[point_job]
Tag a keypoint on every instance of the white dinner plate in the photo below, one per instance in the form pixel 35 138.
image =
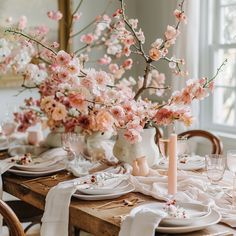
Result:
pixel 191 165
pixel 4 148
pixel 96 190
pixel 193 210
pixel 201 223
pixel 54 168
pixel 126 190
pixel 40 164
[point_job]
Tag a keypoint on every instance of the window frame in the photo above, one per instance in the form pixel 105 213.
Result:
pixel 209 43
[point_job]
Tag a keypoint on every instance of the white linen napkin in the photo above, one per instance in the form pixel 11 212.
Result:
pixel 192 187
pixel 56 214
pixel 144 222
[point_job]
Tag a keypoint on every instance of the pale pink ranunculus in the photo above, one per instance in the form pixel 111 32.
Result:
pixel 171 33
pixel 54 15
pixel 87 38
pixel 104 120
pixel 59 112
pixel 22 22
pixel 63 58
pixel 127 64
pixel 133 136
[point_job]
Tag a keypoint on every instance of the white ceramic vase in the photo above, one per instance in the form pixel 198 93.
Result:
pixel 127 152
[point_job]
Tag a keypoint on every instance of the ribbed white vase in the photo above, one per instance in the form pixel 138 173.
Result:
pixel 127 152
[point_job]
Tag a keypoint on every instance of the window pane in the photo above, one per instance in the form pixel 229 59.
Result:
pixel 224 2
pixel 224 106
pixel 227 76
pixel 228 24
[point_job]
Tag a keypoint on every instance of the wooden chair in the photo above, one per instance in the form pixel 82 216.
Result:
pixel 217 146
pixel 11 220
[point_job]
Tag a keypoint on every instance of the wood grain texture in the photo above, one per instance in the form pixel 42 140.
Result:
pixel 85 215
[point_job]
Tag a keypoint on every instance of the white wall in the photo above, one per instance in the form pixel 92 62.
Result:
pixel 9 102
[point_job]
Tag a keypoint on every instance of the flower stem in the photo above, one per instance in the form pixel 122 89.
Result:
pixel 31 39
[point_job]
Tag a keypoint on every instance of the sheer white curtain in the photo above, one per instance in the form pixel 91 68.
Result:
pixel 187 47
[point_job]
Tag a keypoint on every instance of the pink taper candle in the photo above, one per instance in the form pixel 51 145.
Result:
pixel 172 171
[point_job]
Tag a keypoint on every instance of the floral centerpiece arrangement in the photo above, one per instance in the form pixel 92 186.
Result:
pixel 75 96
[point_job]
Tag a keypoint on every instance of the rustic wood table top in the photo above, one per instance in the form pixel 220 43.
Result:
pixel 92 216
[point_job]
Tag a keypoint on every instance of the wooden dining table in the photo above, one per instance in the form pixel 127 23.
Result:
pixel 100 218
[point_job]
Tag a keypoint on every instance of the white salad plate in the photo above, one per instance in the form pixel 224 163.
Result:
pixel 129 188
pixel 199 221
pixel 54 168
pixel 118 186
pixel 190 164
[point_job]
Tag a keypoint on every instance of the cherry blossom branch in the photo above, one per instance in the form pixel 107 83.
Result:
pixel 147 70
pixel 133 32
pixel 91 23
pixel 31 39
pixel 158 88
pixel 71 22
pixel 218 70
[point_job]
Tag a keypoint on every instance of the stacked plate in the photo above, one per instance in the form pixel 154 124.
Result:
pixel 110 189
pixel 40 166
pixel 186 163
pixel 200 217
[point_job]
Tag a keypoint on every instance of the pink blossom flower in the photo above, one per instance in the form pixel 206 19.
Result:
pixel 141 36
pixel 22 22
pixel 155 54
pixel 211 86
pixel 78 101
pixel 63 58
pixel 105 60
pixel 77 16
pixel 118 112
pixel 55 45
pixel 171 33
pixel 163 117
pixel 133 23
pixel 54 15
pixel 87 38
pixel 132 135
pixel 59 112
pixel 180 16
pixel 113 68
pixel 41 30
pixel 186 96
pixel 127 64
pixel 200 93
pixel 104 120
